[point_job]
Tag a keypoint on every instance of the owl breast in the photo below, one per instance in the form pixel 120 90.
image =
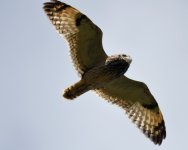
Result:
pixel 105 73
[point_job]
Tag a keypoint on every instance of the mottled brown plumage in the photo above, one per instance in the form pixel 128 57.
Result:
pixel 104 74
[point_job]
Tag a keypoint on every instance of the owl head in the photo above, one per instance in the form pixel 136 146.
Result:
pixel 118 63
pixel 119 59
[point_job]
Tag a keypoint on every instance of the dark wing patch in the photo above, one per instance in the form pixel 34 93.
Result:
pixel 78 20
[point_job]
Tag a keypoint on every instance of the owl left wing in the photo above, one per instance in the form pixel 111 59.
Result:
pixel 139 104
pixel 83 36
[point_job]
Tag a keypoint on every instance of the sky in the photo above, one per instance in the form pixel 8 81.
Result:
pixel 36 67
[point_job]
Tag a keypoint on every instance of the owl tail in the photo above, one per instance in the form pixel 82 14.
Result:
pixel 76 90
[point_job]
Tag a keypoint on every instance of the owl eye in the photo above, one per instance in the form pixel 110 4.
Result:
pixel 124 55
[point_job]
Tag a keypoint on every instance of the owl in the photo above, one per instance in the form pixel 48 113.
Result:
pixel 102 73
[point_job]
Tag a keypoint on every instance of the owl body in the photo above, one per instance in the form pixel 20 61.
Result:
pixel 97 77
pixel 105 73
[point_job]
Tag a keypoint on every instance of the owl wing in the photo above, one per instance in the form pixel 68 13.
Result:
pixel 139 104
pixel 83 36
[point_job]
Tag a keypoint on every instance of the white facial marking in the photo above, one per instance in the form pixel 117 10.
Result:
pixel 128 59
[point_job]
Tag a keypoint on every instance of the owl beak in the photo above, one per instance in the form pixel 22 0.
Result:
pixel 128 59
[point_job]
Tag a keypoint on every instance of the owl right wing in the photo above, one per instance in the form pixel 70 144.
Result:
pixel 83 36
pixel 135 98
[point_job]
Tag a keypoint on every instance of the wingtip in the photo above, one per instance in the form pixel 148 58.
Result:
pixel 50 2
pixel 49 6
pixel 54 5
pixel 158 139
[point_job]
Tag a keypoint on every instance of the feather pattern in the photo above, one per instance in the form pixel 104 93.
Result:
pixel 83 36
pixel 135 98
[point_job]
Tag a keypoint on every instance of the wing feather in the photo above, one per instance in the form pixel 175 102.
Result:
pixel 83 36
pixel 135 98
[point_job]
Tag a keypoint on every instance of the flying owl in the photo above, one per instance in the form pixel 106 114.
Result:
pixel 102 73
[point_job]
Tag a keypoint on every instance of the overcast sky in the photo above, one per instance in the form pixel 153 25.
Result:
pixel 36 67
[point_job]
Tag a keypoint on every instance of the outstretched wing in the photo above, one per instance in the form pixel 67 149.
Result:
pixel 83 36
pixel 139 104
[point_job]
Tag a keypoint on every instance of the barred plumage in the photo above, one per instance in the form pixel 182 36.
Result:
pixel 77 29
pixel 102 73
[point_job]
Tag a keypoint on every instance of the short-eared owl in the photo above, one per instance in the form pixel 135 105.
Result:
pixel 102 73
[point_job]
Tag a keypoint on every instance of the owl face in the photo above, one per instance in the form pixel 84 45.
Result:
pixel 127 58
pixel 118 64
pixel 119 58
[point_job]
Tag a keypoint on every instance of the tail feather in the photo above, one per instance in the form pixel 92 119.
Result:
pixel 75 90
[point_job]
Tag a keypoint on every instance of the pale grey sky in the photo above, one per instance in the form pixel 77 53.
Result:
pixel 36 67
